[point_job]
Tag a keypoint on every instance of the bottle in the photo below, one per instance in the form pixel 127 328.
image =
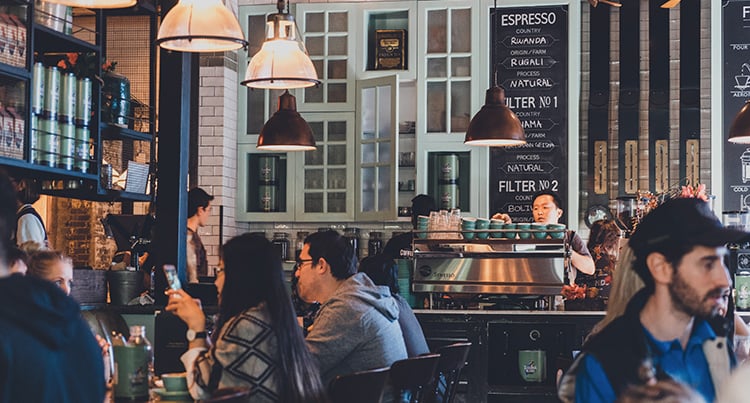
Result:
pixel 138 340
pixel 133 365
pixel 375 244
pixel 281 244
pixel 352 235
pixel 300 242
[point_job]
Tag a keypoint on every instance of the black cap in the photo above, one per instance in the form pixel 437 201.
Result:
pixel 681 221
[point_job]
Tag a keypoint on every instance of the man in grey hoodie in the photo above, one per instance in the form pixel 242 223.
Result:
pixel 356 327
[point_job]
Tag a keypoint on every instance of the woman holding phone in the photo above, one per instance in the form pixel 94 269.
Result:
pixel 257 342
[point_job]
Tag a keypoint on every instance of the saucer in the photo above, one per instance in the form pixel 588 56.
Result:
pixel 173 394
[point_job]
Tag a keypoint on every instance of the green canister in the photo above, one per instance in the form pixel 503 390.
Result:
pixel 448 192
pixel 267 198
pixel 37 88
pixel 34 139
pixel 83 101
pixel 83 149
pixel 68 96
pixel 448 167
pixel 67 145
pixel 49 130
pixel 267 169
pixel 52 91
pixel 131 372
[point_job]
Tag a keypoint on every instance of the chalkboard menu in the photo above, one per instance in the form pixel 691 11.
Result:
pixel 530 55
pixel 736 90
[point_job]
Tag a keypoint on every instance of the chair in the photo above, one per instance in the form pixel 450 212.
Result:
pixel 452 361
pixel 361 387
pixel 228 395
pixel 410 378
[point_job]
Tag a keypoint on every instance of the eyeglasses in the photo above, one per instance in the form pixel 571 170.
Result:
pixel 300 262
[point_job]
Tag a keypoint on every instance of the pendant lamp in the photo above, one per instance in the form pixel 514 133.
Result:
pixel 495 125
pixel 286 130
pixel 282 61
pixel 739 132
pixel 95 3
pixel 200 26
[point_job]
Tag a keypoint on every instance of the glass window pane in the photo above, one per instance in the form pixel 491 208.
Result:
pixel 368 113
pixel 256 100
pixel 337 179
pixel 314 45
pixel 314 157
pixel 436 67
pixel 368 153
pixel 384 151
pixel 368 187
pixel 337 131
pixel 337 202
pixel 337 154
pixel 317 128
pixel 436 107
pixel 337 45
pixel 318 64
pixel 314 22
pixel 273 101
pixel 384 112
pixel 337 92
pixel 337 69
pixel 384 186
pixel 256 33
pixel 314 94
pixel 460 105
pixel 460 36
pixel 436 31
pixel 313 178
pixel 338 22
pixel 313 202
pixel 461 67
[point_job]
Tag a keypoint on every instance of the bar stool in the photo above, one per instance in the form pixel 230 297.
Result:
pixel 452 361
pixel 362 387
pixel 411 377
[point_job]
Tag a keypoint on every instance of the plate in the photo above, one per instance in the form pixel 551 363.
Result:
pixel 174 394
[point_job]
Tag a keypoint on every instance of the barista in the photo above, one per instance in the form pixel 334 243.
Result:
pixel 547 209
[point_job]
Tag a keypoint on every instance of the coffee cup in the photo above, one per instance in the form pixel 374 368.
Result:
pixel 539 230
pixel 482 223
pixel 175 382
pixel 496 226
pixel 512 233
pixel 532 365
pixel 556 231
pixel 523 230
pixel 468 224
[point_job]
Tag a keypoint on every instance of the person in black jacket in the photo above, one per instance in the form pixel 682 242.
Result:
pixel 47 351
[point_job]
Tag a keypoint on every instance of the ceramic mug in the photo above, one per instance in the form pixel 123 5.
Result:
pixel 532 365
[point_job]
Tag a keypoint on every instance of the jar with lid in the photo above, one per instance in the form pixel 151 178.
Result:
pixel 352 236
pixel 301 235
pixel 281 244
pixel 375 244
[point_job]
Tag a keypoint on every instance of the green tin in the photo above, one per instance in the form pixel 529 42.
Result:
pixel 448 167
pixel 68 96
pixel 83 149
pixel 267 198
pixel 48 141
pixel 67 145
pixel 37 88
pixel 52 91
pixel 83 101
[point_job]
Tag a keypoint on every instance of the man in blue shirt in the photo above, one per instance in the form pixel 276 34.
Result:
pixel 664 332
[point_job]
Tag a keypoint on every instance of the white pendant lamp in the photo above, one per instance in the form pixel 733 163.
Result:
pixel 200 26
pixel 95 3
pixel 282 61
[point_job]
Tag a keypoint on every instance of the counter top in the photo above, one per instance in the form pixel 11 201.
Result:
pixel 507 312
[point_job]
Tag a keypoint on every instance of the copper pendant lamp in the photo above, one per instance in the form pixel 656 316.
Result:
pixel 739 132
pixel 286 130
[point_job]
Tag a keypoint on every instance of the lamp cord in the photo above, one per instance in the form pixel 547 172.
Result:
pixel 494 47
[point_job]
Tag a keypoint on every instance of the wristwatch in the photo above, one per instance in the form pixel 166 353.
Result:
pixel 192 335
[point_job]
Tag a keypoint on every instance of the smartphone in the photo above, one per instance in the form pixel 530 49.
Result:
pixel 172 278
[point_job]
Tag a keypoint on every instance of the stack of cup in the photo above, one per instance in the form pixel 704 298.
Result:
pixel 539 230
pixel 556 231
pixel 482 224
pixel 496 225
pixel 423 223
pixel 468 225
pixel 512 233
pixel 523 230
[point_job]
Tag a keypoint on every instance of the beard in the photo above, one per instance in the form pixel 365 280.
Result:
pixel 688 300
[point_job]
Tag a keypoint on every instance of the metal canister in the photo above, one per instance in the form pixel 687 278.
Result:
pixel 83 101
pixel 67 144
pixel 34 139
pixel 267 169
pixel 448 195
pixel 52 91
pixel 83 149
pixel 68 96
pixel 49 130
pixel 448 165
pixel 37 88
pixel 267 198
pixel 106 176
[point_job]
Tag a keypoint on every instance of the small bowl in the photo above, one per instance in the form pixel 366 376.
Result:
pixel 175 382
pixel 539 230
pixel 556 231
pixel 510 234
pixel 523 230
pixel 496 225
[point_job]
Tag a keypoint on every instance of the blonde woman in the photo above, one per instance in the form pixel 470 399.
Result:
pixel 52 266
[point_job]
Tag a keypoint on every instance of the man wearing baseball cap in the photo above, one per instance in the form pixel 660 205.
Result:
pixel 665 331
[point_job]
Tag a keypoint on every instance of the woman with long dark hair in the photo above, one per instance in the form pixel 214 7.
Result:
pixel 257 342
